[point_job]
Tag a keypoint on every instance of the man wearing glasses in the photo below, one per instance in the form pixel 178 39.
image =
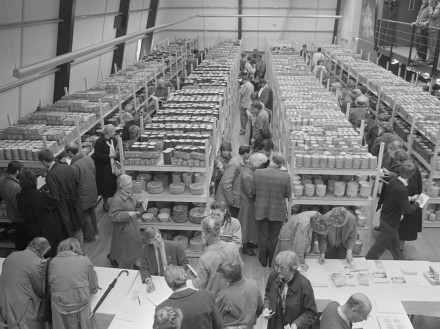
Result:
pixel 356 309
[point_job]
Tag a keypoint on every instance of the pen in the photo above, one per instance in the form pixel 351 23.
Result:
pixel 139 300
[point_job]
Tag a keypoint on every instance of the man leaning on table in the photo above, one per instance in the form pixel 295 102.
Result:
pixel 356 309
pixel 157 255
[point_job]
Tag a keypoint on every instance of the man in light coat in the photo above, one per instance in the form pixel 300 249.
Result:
pixel 246 90
pixel 85 175
pixel 21 286
pixel 229 186
pixel 9 188
pixel 272 188
pixel 216 251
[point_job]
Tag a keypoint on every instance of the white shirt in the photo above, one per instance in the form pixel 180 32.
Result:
pixel 316 57
pixel 342 315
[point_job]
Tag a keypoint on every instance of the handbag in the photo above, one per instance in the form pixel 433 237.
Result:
pixel 45 310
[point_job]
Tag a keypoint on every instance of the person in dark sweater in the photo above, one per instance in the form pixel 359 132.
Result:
pixel 395 203
pixel 356 309
pixel 198 306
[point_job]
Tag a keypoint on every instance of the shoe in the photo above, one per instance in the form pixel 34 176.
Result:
pixel 113 261
pixel 242 132
pixel 252 245
pixel 249 252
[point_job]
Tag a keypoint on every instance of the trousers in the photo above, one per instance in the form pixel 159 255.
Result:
pixel 268 232
pixel 387 238
pixel 243 118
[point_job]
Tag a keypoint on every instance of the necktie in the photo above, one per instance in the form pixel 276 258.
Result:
pixel 161 269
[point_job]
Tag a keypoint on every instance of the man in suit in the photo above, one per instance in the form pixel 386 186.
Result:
pixel 265 95
pixel 216 251
pixel 62 185
pixel 197 306
pixel 157 255
pixel 386 137
pixel 272 187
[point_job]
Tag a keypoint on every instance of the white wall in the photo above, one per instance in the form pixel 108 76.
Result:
pixel 261 28
pixel 349 29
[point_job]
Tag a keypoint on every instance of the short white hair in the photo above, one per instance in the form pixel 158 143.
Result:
pixel 257 159
pixel 124 180
pixel 126 116
pixel 287 258
pixel 108 128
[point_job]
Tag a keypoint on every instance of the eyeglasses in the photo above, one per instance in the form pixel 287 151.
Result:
pixel 364 317
pixel 280 268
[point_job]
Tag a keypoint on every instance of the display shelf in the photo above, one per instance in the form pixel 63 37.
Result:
pixel 434 200
pixel 184 197
pixel 332 200
pixel 5 220
pixel 428 223
pixel 333 171
pixel 171 225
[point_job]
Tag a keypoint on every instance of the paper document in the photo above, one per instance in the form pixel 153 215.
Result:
pixel 387 306
pixel 423 199
pixel 41 181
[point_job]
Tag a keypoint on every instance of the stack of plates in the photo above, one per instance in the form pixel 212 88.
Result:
pixel 197 214
pixel 196 244
pixel 180 213
pixel 154 187
pixel 177 188
pixel 164 217
pixel 197 189
pixel 182 240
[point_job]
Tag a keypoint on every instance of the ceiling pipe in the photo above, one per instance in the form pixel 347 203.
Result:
pixel 51 63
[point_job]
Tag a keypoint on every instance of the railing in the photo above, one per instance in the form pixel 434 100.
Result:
pixel 408 41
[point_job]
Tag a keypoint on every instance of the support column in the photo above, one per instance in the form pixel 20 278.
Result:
pixel 240 22
pixel 64 45
pixel 151 22
pixel 335 28
pixel 121 23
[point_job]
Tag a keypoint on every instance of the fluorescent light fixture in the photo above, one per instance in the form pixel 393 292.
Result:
pixel 425 75
pixel 394 61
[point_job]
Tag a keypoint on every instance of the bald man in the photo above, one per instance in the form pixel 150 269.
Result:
pixel 356 309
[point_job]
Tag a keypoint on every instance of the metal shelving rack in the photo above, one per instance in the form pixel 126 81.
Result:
pixel 281 137
pixel 391 102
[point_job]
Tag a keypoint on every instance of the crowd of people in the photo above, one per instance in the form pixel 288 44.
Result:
pixel 249 212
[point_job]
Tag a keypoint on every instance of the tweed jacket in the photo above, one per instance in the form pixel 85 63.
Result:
pixel 348 232
pixel 85 175
pixel 9 189
pixel 272 187
pixel 174 254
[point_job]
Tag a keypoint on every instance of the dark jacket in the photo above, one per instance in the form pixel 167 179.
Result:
pixel 62 185
pixel 272 187
pixel 126 129
pixel 395 203
pixel 300 302
pixel 105 180
pixel 229 187
pixel 85 174
pixel 385 138
pixel 198 309
pixel 266 97
pixel 9 188
pixel 41 217
pixel 175 255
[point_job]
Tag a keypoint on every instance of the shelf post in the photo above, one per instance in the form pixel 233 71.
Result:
pixel 44 139
pixel 121 154
pixel 85 83
pixel 361 133
pixel 101 113
pixel 141 118
pixel 9 120
pixel 119 101
pixel 133 82
pixel 78 137
pixel 378 104
pixel 413 122
pixel 347 113
pixel 393 115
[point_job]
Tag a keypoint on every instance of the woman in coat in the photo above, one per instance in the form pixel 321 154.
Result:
pixel 105 179
pixel 230 230
pixel 126 239
pixel 72 281
pixel 40 212
pixel 221 161
pixel 289 297
pixel 246 215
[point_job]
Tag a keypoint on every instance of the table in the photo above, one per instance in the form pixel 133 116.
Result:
pixel 417 295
